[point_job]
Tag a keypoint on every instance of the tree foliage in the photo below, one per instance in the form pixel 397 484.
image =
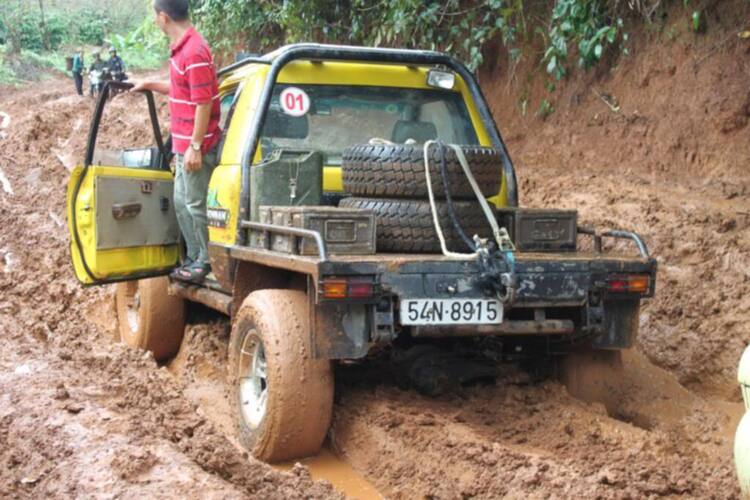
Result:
pixel 462 27
pixel 453 25
pixel 46 25
pixel 588 26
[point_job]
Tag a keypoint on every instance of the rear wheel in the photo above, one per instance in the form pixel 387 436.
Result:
pixel 149 318
pixel 282 397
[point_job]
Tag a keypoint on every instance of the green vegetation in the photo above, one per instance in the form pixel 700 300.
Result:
pixel 585 27
pixel 145 47
pixel 545 109
pixel 453 25
pixel 560 34
pixel 588 26
pixel 7 76
pixel 39 34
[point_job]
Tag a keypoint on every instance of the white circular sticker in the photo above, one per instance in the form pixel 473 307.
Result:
pixel 295 101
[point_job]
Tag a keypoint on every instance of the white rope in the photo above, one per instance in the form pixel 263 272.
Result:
pixel 379 141
pixel 500 236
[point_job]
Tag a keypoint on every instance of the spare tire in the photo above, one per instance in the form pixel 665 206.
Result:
pixel 397 170
pixel 407 226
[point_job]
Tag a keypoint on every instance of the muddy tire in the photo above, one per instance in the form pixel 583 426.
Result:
pixel 398 171
pixel 407 226
pixel 594 376
pixel 281 397
pixel 149 318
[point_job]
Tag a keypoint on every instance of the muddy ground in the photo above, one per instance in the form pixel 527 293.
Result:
pixel 83 416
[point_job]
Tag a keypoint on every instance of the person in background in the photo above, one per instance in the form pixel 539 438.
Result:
pixel 194 110
pixel 116 65
pixel 77 70
pixel 96 79
pixel 98 64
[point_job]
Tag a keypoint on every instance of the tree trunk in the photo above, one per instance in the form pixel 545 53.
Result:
pixel 43 27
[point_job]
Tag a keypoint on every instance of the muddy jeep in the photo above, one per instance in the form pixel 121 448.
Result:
pixel 364 199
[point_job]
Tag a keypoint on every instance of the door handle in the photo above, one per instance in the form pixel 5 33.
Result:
pixel 122 211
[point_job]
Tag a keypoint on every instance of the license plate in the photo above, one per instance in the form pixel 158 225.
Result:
pixel 451 312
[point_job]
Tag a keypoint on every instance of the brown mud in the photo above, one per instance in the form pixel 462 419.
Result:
pixel 83 416
pixel 670 163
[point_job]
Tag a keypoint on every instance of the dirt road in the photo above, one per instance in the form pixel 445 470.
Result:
pixel 79 415
pixel 82 416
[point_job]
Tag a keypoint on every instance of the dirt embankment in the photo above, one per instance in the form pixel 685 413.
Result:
pixel 669 163
pixel 82 416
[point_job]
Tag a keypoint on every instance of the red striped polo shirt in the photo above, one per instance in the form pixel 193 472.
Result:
pixel 192 81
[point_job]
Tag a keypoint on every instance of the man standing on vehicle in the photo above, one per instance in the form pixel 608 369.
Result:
pixel 194 110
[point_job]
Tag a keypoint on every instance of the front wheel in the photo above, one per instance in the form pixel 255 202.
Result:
pixel 282 397
pixel 149 318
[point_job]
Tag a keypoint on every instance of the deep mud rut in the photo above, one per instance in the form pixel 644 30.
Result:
pixel 82 416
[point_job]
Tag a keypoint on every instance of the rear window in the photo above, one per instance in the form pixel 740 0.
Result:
pixel 329 118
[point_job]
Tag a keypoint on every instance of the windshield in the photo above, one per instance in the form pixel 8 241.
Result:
pixel 330 118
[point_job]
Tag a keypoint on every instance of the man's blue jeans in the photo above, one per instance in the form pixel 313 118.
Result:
pixel 190 192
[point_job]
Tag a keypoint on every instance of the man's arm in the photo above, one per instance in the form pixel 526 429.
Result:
pixel 194 159
pixel 161 87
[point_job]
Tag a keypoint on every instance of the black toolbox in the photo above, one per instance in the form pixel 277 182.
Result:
pixel 540 230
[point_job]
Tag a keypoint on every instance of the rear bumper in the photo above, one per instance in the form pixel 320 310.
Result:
pixel 542 280
pixel 509 327
pixel 558 296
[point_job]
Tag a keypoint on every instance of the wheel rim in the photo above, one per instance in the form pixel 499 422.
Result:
pixel 132 307
pixel 253 381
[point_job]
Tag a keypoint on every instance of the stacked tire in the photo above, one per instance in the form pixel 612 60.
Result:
pixel 390 180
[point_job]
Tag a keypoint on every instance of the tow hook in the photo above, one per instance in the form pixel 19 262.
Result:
pixel 508 281
pixel 501 283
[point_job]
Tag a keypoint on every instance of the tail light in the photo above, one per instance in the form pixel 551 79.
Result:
pixel 334 289
pixel 629 283
pixel 337 288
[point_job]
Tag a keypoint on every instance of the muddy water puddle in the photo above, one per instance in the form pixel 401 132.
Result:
pixel 327 466
pixel 200 367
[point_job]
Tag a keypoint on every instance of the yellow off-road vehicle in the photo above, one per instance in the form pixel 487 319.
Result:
pixel 364 201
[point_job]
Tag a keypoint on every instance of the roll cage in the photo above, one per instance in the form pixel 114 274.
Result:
pixel 278 59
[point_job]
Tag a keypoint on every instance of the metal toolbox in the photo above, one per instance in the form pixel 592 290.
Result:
pixel 540 230
pixel 345 231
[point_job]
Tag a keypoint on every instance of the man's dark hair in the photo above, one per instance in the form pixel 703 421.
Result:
pixel 177 10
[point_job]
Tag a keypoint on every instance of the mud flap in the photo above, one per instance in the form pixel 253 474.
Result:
pixel 339 331
pixel 620 325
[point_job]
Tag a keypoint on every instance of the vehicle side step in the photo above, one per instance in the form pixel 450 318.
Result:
pixel 219 301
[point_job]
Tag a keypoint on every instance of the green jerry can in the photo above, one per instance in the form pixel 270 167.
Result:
pixel 287 178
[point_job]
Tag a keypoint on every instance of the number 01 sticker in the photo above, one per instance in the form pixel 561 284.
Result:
pixel 295 101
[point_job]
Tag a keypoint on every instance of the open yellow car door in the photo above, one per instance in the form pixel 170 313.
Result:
pixel 121 213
